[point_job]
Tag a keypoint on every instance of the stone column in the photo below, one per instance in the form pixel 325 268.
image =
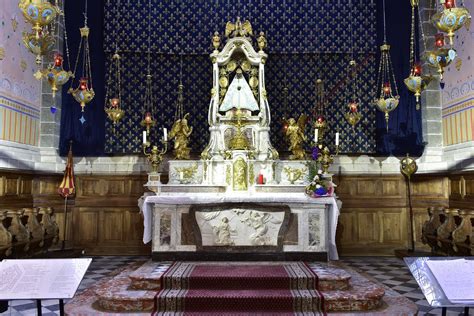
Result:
pixel 50 122
pixel 431 110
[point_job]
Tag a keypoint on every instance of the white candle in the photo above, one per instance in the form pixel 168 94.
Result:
pixel 181 175
pixel 316 135
pixel 337 139
pixel 165 134
pixel 144 137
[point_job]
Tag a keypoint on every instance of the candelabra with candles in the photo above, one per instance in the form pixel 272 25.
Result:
pixel 154 156
pixel 324 156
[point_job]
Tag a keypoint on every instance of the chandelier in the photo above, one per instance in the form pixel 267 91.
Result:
pixel 416 82
pixel 388 97
pixel 114 90
pixel 451 18
pixel 84 92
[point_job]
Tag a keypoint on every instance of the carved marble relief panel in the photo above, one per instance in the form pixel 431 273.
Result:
pixel 241 226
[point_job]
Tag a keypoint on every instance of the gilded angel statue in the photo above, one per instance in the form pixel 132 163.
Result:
pixel 238 29
pixel 296 137
pixel 180 132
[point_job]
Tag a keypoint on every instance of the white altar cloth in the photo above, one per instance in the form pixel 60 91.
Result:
pixel 205 198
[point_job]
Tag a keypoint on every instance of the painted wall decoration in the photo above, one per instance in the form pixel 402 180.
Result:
pixel 19 90
pixel 458 93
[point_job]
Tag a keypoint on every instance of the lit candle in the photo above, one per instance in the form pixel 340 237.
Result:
pixel 165 134
pixel 316 135
pixel 337 138
pixel 144 137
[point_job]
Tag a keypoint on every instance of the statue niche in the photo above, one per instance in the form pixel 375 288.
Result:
pixel 239 115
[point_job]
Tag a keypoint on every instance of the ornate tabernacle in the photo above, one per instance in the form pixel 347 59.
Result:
pixel 239 148
pixel 259 201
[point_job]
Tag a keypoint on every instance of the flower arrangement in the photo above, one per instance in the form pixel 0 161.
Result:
pixel 321 185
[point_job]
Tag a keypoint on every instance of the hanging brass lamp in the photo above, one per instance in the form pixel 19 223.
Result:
pixel 415 82
pixel 84 92
pixel 451 18
pixel 388 97
pixel 113 95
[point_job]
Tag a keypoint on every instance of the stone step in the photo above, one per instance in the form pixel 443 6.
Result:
pixel 113 295
pixel 117 295
pixel 148 276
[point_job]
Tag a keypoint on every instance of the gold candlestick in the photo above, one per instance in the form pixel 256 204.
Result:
pixel 155 156
pixel 326 159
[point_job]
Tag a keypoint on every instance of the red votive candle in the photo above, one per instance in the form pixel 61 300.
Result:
pixel 260 179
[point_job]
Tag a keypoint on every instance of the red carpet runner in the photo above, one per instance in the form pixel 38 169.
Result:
pixel 283 288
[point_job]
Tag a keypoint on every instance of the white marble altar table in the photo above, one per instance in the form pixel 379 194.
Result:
pixel 332 207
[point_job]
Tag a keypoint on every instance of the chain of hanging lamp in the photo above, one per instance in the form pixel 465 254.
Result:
pixel 148 111
pixel 416 82
pixel 352 116
pixel 388 98
pixel 84 93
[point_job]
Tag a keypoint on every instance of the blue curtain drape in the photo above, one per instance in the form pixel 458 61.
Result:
pixel 405 128
pixel 88 138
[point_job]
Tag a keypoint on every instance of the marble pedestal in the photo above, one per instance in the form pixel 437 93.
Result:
pixel 213 226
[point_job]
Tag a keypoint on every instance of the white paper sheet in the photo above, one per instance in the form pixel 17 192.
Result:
pixel 456 278
pixel 41 278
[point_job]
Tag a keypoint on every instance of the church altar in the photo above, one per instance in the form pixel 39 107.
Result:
pixel 168 226
pixel 239 200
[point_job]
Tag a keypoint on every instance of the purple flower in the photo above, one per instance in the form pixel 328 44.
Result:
pixel 315 153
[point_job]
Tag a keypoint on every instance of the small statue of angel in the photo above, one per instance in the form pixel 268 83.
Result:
pixel 180 132
pixel 296 137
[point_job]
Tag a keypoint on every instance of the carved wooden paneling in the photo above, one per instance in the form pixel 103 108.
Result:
pixel 86 227
pixel 392 229
pixel 346 227
pixel 462 191
pixel 104 218
pixel 12 186
pixel 112 226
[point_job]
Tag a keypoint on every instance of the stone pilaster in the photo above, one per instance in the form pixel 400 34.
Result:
pixel 431 106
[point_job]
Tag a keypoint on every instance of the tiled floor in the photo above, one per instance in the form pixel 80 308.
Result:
pixel 389 271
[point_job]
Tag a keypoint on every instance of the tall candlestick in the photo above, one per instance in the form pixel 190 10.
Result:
pixel 316 135
pixel 144 137
pixel 337 138
pixel 165 134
